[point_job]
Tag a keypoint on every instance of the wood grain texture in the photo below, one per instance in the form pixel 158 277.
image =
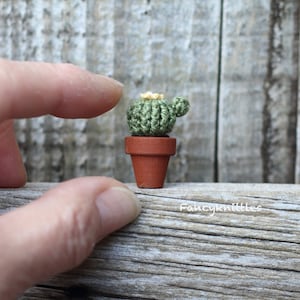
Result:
pixel 297 167
pixel 148 45
pixel 243 69
pixel 235 60
pixel 163 55
pixel 172 252
pixel 281 90
pixel 197 140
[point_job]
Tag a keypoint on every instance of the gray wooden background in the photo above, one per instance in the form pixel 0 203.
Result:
pixel 236 60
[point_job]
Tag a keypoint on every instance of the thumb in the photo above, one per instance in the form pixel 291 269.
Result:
pixel 58 231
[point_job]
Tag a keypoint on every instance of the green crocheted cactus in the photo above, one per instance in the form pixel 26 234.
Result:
pixel 152 115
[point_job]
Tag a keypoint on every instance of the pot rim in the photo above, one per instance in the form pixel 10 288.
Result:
pixel 150 145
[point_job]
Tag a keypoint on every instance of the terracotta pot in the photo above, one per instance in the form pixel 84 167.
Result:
pixel 150 158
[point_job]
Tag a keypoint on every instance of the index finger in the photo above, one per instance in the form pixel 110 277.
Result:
pixel 30 89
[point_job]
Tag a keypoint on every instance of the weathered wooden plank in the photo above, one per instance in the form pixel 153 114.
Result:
pixel 13 13
pixel 245 38
pixel 56 149
pixel 69 28
pixel 258 97
pixel 173 47
pixel 163 56
pixel 132 21
pixel 197 138
pixel 5 38
pixel 297 168
pixel 172 252
pixel 281 89
pixel 45 133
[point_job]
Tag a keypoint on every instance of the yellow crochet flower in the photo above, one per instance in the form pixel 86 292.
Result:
pixel 152 96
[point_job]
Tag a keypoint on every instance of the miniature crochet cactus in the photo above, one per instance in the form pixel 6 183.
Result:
pixel 153 115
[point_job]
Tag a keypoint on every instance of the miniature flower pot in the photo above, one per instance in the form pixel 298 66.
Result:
pixel 150 158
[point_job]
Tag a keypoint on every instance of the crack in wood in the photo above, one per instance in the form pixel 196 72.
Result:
pixel 280 110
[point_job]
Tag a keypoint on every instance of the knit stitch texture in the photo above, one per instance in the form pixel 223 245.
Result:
pixel 155 117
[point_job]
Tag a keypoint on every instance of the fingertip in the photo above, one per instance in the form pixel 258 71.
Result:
pixel 115 83
pixel 117 207
pixel 103 84
pixel 32 89
pixel 60 229
pixel 15 176
pixel 85 94
pixel 15 181
pixel 14 173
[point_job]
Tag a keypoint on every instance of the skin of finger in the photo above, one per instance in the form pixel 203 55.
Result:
pixel 30 89
pixel 50 235
pixel 13 173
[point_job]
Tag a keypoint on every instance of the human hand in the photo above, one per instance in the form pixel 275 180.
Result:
pixel 59 230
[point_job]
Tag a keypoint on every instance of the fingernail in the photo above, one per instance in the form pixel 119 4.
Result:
pixel 117 82
pixel 111 80
pixel 117 207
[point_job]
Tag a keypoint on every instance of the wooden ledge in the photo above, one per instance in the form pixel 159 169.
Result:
pixel 191 241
